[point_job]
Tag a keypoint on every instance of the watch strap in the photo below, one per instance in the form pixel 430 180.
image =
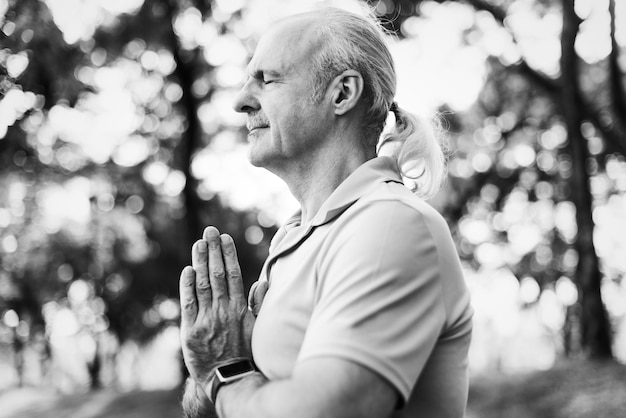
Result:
pixel 216 383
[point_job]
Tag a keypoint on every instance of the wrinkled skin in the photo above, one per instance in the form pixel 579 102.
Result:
pixel 216 324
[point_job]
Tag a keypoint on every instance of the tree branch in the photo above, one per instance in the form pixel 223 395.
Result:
pixel 549 84
pixel 497 12
pixel 500 14
pixel 614 133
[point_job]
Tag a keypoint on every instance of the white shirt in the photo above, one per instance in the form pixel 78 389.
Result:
pixel 373 278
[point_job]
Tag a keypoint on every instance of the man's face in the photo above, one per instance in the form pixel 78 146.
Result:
pixel 285 124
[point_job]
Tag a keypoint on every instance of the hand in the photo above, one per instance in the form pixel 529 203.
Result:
pixel 216 324
pixel 256 296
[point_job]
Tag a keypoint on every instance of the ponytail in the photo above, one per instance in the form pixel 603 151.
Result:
pixel 416 146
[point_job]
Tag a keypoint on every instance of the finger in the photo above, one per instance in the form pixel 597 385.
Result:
pixel 257 295
pixel 233 270
pixel 251 295
pixel 217 273
pixel 200 265
pixel 188 302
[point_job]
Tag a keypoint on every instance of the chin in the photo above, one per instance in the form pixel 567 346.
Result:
pixel 255 162
pixel 263 157
pixel 256 158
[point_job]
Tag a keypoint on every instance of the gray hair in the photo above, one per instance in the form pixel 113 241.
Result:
pixel 354 42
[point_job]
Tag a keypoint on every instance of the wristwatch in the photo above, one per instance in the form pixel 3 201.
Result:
pixel 228 372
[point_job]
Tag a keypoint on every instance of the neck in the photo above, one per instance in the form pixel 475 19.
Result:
pixel 312 181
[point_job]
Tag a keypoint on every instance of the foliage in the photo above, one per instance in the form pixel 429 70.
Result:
pixel 117 146
pixel 99 206
pixel 536 159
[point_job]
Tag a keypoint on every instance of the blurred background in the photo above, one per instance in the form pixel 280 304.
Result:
pixel 118 144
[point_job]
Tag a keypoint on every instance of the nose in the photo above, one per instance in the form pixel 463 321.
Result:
pixel 246 101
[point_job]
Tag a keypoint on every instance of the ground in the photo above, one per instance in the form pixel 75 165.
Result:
pixel 31 403
pixel 569 390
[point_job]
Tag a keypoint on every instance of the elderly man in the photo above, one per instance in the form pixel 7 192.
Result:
pixel 364 308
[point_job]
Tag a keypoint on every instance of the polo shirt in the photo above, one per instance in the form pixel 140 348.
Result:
pixel 373 278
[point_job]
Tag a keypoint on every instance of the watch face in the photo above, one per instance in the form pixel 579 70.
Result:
pixel 235 369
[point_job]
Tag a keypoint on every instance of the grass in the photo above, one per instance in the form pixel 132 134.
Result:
pixel 569 390
pixel 31 403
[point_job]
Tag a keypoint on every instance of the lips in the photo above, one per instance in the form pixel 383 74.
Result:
pixel 257 121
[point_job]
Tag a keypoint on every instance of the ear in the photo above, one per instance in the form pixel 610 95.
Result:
pixel 346 91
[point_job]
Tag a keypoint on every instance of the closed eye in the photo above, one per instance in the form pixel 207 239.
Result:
pixel 265 77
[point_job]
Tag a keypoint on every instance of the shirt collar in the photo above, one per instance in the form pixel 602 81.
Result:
pixel 361 181
pixel 357 184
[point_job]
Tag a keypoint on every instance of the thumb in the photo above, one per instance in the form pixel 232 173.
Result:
pixel 256 296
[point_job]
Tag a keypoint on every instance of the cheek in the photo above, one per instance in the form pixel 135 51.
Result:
pixel 289 114
pixel 285 121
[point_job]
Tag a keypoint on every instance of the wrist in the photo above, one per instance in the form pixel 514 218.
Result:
pixel 241 398
pixel 200 392
pixel 195 402
pixel 227 372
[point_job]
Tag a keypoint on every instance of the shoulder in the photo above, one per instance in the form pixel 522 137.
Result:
pixel 392 205
pixel 390 229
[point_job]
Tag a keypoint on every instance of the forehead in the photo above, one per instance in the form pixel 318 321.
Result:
pixel 285 48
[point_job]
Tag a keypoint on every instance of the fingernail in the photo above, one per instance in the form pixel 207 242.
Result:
pixel 210 232
pixel 202 246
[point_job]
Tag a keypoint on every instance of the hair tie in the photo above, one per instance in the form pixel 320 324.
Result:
pixel 394 107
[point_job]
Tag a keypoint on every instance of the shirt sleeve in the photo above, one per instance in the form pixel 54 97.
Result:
pixel 379 297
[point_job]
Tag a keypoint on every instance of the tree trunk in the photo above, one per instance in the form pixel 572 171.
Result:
pixel 18 357
pixel 618 90
pixel 191 137
pixel 94 367
pixel 595 329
